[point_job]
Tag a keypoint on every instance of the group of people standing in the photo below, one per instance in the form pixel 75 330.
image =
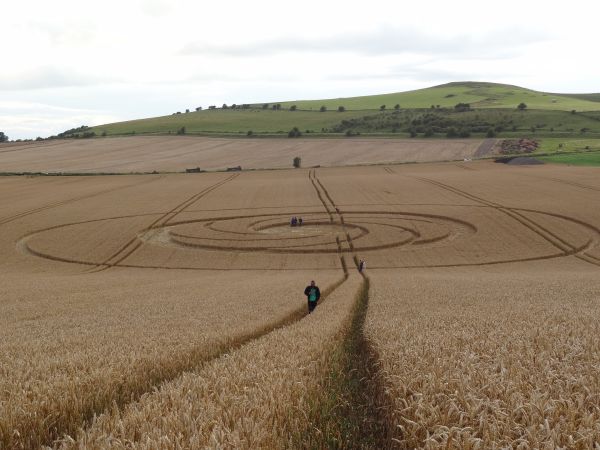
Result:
pixel 296 221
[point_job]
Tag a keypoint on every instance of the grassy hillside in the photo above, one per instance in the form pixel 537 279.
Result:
pixel 219 121
pixel 494 106
pixel 478 95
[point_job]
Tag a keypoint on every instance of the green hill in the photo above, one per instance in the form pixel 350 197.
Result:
pixel 477 94
pixel 429 111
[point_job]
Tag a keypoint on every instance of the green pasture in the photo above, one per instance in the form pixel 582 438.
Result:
pixel 576 159
pixel 552 145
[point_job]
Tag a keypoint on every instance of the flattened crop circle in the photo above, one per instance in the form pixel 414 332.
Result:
pixel 318 234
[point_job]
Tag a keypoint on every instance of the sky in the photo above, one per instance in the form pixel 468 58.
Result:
pixel 67 63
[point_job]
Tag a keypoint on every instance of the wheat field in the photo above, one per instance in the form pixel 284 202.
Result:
pixel 176 153
pixel 167 311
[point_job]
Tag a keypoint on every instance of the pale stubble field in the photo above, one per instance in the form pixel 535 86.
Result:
pixel 166 311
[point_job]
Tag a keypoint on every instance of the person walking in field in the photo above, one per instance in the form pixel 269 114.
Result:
pixel 362 265
pixel 313 294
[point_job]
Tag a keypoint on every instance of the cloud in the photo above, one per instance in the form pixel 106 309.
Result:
pixel 156 8
pixel 49 77
pixel 501 43
pixel 21 119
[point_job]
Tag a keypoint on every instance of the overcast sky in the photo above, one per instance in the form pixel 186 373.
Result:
pixel 71 62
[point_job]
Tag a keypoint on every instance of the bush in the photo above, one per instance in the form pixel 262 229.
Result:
pixel 250 133
pixel 522 106
pixel 323 108
pixel 451 133
pixel 428 132
pixel 293 108
pixel 382 107
pixel 350 133
pixel 265 106
pixel 296 162
pixel 294 133
pixel 341 109
pixel 462 107
pixel 397 106
pixel 491 133
pixel 181 130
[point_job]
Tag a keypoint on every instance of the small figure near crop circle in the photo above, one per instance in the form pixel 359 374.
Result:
pixel 362 265
pixel 313 294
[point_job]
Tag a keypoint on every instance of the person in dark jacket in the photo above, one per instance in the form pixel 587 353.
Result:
pixel 313 294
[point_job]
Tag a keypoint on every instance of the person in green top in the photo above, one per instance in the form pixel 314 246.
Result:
pixel 313 294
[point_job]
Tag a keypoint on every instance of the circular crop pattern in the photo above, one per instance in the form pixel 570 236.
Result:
pixel 408 238
pixel 274 234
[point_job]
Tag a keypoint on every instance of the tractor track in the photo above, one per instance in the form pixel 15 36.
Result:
pixel 135 243
pixel 196 359
pixel 571 183
pixel 53 205
pixel 362 418
pixel 554 239
pixel 311 176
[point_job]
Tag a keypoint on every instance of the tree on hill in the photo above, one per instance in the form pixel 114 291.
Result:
pixel 293 108
pixel 522 106
pixel 382 107
pixel 323 108
pixel 199 108
pixel 397 106
pixel 265 106
pixel 3 137
pixel 341 109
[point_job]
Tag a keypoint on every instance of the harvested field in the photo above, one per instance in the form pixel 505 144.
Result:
pixel 166 311
pixel 176 153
